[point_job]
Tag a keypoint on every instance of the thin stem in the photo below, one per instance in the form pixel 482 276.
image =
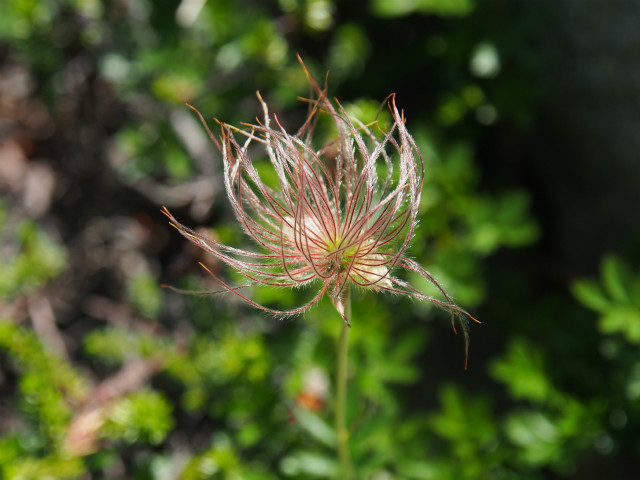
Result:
pixel 346 469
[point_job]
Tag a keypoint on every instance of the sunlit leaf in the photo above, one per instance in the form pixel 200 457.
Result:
pixel 625 320
pixel 590 295
pixel 309 463
pixel 522 370
pixel 315 426
pixel 614 277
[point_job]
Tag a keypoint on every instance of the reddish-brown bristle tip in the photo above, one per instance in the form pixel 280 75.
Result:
pixel 205 267
pixel 473 318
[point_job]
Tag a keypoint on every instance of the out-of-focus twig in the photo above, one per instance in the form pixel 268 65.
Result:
pixel 43 320
pixel 82 435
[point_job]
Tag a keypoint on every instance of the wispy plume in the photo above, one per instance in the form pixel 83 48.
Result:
pixel 340 215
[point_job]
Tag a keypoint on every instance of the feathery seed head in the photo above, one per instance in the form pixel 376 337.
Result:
pixel 341 214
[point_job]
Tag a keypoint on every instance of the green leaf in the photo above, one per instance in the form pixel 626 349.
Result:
pixel 221 460
pixel 47 383
pixel 421 470
pixel 396 8
pixel 30 468
pixel 634 290
pixel 39 260
pixel 316 427
pixel 590 295
pixel 522 370
pixel 466 421
pixel 144 293
pixel 537 437
pixel 140 416
pixel 614 276
pixel 309 463
pixel 625 320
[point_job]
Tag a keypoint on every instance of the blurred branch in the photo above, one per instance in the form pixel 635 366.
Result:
pixel 199 193
pixel 43 320
pixel 82 434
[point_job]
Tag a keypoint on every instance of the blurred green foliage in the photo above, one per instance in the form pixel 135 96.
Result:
pixel 227 393
pixel 46 382
pixel 145 294
pixel 389 8
pixel 143 416
pixel 31 259
pixel 616 299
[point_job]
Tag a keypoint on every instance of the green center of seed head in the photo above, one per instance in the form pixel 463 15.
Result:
pixel 339 254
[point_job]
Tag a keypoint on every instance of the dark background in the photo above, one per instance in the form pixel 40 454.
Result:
pixel 528 116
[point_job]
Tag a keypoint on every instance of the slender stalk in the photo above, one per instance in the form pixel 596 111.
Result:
pixel 346 468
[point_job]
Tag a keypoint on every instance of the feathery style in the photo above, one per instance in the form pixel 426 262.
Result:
pixel 340 215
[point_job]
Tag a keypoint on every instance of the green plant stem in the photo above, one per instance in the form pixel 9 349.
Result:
pixel 346 468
